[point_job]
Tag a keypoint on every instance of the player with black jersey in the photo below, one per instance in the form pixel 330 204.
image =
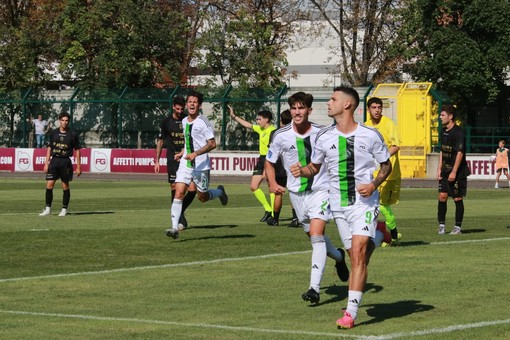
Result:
pixel 63 141
pixel 171 133
pixel 452 170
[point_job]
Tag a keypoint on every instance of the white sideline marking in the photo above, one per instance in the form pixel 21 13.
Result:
pixel 232 259
pixel 448 329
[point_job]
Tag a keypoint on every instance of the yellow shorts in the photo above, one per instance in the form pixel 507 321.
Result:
pixel 389 192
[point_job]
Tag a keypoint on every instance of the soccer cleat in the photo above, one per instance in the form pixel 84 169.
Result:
pixel 63 212
pixel 183 223
pixel 223 197
pixel 173 233
pixel 45 212
pixel 341 267
pixel 395 240
pixel 346 321
pixel 266 216
pixel 456 231
pixel 441 230
pixel 311 295
pixel 385 245
pixel 272 221
pixel 295 223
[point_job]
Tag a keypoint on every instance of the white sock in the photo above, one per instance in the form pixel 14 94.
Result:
pixel 176 213
pixel 354 301
pixel 332 252
pixel 318 261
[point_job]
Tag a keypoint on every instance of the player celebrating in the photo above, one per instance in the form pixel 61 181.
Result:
pixel 195 164
pixel 348 150
pixel 309 197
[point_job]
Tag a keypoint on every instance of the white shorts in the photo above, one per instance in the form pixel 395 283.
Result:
pixel 360 219
pixel 199 177
pixel 309 205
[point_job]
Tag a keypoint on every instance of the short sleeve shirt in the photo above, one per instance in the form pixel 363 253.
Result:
pixel 264 137
pixel 171 132
pixel 453 141
pixel 293 148
pixel 63 144
pixel 350 160
pixel 196 135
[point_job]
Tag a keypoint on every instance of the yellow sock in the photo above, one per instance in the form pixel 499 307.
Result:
pixel 259 194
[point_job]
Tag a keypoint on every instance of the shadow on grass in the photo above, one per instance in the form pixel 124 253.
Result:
pixel 224 237
pixel 339 293
pixel 213 226
pixel 91 213
pixel 384 311
pixel 410 244
pixel 472 231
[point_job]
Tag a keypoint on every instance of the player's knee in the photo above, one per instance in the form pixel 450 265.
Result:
pixel 203 196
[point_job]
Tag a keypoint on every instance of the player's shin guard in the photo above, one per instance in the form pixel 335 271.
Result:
pixel 459 213
pixel 66 198
pixel 49 197
pixel 176 213
pixel 441 212
pixel 318 261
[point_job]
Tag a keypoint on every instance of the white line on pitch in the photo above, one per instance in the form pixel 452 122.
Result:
pixel 212 261
pixel 390 336
pixel 171 265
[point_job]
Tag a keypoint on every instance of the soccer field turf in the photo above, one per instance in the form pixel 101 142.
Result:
pixel 108 271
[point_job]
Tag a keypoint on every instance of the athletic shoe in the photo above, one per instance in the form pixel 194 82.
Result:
pixel 385 245
pixel 456 231
pixel 272 221
pixel 183 223
pixel 266 216
pixel 441 230
pixel 46 212
pixel 223 197
pixel 311 295
pixel 341 268
pixel 346 321
pixel 63 212
pixel 173 233
pixel 295 223
pixel 395 240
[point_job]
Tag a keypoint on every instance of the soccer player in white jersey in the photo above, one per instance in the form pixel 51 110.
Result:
pixel 309 197
pixel 194 161
pixel 348 150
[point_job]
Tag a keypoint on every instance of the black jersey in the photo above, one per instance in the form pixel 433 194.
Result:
pixel 452 142
pixel 63 143
pixel 171 132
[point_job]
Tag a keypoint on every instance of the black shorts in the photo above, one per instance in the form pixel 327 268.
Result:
pixel 259 168
pixel 171 166
pixel 504 170
pixel 60 168
pixel 455 189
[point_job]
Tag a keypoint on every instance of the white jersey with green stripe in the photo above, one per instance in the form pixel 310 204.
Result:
pixel 350 160
pixel 293 148
pixel 196 135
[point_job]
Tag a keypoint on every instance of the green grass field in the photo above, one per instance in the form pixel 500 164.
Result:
pixel 108 271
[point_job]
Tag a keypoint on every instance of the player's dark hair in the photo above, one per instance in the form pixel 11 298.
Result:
pixel 197 95
pixel 350 92
pixel 266 114
pixel 374 100
pixel 179 100
pixel 449 109
pixel 285 117
pixel 64 114
pixel 300 97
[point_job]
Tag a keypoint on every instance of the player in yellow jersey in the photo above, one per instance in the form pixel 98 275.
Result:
pixel 263 129
pixel 501 160
pixel 389 191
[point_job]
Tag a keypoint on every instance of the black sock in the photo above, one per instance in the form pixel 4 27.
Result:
pixel 173 195
pixel 66 198
pixel 190 195
pixel 459 213
pixel 276 215
pixel 394 233
pixel 294 213
pixel 49 197
pixel 441 212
